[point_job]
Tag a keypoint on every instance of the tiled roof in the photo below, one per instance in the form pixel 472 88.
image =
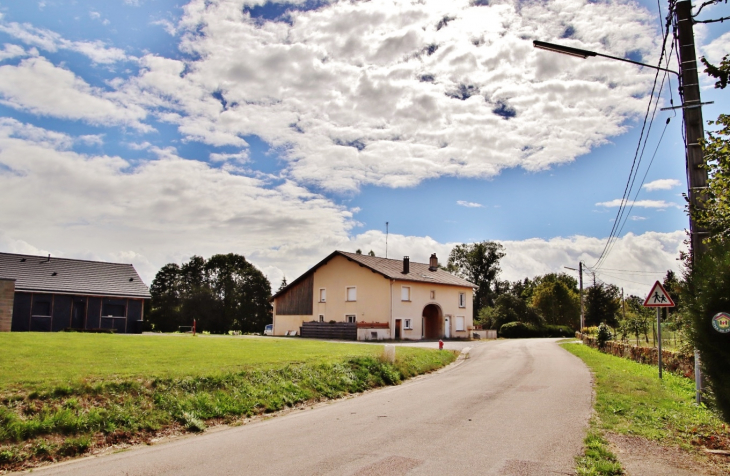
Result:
pixel 391 269
pixel 72 276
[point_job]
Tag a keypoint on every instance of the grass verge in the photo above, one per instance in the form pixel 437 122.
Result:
pixel 49 422
pixel 632 400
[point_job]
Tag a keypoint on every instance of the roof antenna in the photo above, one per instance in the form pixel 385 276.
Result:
pixel 386 240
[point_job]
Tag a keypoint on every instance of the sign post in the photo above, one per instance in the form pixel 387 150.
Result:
pixel 658 297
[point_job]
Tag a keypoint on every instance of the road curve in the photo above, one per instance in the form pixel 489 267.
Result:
pixel 515 407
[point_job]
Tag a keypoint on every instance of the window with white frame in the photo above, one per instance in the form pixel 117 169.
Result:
pixel 352 293
pixel 322 295
pixel 321 318
pixel 405 293
pixel 459 323
pixel 462 299
pixel 351 318
pixel 407 324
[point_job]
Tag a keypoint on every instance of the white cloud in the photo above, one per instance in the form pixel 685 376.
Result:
pixel 348 88
pixel 469 204
pixel 662 184
pixel 11 51
pixel 51 41
pixel 717 48
pixel 639 203
pixel 637 218
pixel 162 210
pixel 39 87
pixel 168 208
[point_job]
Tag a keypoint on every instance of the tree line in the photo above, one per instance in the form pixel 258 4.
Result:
pixel 551 299
pixel 224 293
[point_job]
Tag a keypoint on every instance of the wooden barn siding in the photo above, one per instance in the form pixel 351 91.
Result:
pixel 327 330
pixel 297 301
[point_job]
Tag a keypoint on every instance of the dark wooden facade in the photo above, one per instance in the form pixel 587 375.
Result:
pixel 298 299
pixel 329 330
pixel 49 312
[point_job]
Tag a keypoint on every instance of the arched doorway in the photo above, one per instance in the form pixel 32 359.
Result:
pixel 432 322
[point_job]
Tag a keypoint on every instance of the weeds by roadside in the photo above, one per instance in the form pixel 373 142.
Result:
pixel 632 400
pixel 597 459
pixel 71 419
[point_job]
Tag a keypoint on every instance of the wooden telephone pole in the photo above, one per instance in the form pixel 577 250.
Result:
pixel 694 130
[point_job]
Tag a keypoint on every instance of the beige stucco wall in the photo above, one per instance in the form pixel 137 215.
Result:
pixel 446 297
pixel 7 295
pixel 378 300
pixel 373 292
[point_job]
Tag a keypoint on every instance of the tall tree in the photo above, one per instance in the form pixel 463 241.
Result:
pixel 707 293
pixel 478 263
pixel 166 305
pixel 557 302
pixel 602 304
pixel 716 214
pixel 223 293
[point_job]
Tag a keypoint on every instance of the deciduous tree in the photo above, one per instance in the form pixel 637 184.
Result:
pixel 478 263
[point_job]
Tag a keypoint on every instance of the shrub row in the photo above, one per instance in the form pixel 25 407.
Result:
pixel 515 330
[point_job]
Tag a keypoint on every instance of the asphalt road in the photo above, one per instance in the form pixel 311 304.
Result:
pixel 515 407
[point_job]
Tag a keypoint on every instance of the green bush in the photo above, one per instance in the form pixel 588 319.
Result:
pixel 604 334
pixel 517 330
pixel 708 292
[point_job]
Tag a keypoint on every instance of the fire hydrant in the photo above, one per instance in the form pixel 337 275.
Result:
pixel 441 344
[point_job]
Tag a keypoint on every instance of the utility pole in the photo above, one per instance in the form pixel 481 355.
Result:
pixel 694 131
pixel 582 313
pixel 693 123
pixel 580 274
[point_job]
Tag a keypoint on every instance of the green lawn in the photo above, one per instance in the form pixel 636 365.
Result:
pixel 631 399
pixel 64 394
pixel 30 359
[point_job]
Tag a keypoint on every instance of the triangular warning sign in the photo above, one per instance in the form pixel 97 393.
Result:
pixel 658 297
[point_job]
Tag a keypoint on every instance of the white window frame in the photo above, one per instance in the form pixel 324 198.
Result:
pixel 407 324
pixel 459 323
pixel 407 291
pixel 462 299
pixel 347 293
pixel 433 294
pixel 321 318
pixel 322 295
pixel 349 320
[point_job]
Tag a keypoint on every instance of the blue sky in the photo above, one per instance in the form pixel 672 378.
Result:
pixel 147 131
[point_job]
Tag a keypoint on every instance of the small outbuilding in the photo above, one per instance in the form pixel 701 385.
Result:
pixel 44 294
pixel 354 296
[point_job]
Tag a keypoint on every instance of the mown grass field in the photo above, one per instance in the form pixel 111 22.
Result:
pixel 43 359
pixel 632 400
pixel 66 394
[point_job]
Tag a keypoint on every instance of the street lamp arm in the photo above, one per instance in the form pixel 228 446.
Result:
pixel 577 52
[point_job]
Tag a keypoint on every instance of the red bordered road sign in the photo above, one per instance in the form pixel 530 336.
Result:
pixel 658 297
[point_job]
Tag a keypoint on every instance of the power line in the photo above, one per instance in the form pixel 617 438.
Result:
pixel 617 224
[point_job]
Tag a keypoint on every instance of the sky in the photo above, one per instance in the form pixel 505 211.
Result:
pixel 148 131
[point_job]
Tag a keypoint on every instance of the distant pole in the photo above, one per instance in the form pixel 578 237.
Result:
pixel 623 301
pixel 659 337
pixel 582 312
pixel 386 239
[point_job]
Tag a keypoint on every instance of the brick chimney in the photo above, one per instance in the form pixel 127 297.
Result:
pixel 433 263
pixel 406 265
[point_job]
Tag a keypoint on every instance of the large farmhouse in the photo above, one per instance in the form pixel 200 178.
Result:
pixel 44 294
pixel 379 298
